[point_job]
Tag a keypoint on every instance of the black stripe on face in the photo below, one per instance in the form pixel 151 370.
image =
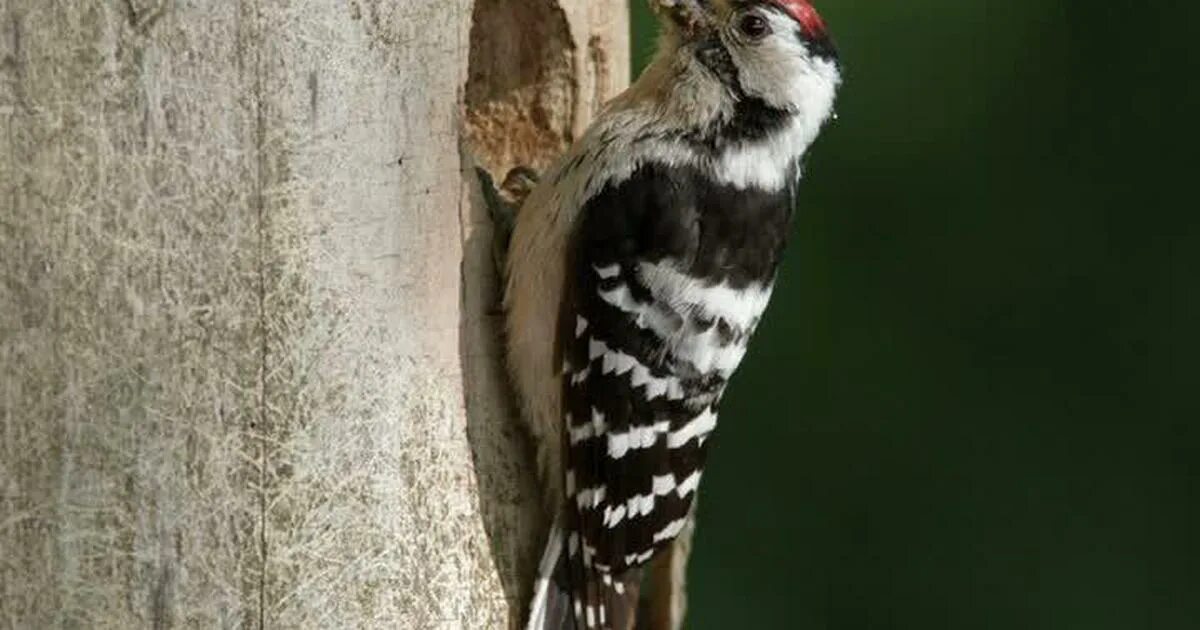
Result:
pixel 753 119
pixel 712 52
pixel 820 46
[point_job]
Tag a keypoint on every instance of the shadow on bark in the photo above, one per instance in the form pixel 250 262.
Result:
pixel 523 97
pixel 509 499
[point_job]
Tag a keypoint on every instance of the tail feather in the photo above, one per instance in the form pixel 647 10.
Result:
pixel 570 594
pixel 539 610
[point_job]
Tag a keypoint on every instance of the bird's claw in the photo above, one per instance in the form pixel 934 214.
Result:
pixel 503 203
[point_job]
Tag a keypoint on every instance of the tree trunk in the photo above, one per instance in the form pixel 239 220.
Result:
pixel 249 372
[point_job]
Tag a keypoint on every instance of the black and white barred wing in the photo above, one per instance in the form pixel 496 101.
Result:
pixel 648 342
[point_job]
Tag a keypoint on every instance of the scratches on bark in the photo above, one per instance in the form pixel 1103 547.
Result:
pixel 259 201
pixel 143 15
pixel 161 597
pixel 14 62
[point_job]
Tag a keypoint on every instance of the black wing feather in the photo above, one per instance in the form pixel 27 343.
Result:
pixel 712 234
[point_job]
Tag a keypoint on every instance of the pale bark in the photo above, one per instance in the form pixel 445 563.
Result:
pixel 249 374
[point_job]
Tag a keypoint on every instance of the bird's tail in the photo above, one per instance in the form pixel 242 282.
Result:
pixel 570 594
pixel 547 611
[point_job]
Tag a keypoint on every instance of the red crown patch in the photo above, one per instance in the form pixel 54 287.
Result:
pixel 805 14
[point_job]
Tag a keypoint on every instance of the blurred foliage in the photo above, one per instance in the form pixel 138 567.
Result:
pixel 973 401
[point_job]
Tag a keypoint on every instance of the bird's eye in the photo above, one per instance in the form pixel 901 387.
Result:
pixel 754 26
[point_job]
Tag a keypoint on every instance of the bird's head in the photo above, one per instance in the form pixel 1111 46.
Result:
pixel 780 50
pixel 776 51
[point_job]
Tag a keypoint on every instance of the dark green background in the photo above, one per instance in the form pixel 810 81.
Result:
pixel 973 401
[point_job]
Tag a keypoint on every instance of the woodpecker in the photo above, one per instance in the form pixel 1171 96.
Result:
pixel 638 269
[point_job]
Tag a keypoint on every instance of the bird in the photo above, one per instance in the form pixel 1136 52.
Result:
pixel 637 270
